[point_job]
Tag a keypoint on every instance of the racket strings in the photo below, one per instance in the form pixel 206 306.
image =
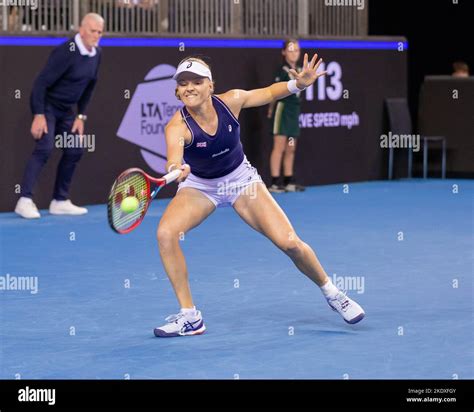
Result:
pixel 132 184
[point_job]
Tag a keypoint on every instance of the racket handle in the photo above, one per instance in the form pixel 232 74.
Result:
pixel 172 176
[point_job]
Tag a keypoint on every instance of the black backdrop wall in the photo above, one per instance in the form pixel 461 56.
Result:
pixel 439 32
pixel 345 147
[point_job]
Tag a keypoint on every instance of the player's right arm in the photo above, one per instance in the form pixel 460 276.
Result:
pixel 176 134
pixel 237 99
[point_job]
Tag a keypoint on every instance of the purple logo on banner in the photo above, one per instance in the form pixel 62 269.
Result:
pixel 151 107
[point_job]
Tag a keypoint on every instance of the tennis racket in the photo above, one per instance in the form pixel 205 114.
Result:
pixel 137 184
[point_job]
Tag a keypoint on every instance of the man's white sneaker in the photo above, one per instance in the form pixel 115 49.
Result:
pixel 65 207
pixel 181 324
pixel 26 208
pixel 350 310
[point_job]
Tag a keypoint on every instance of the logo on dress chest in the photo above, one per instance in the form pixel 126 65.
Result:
pixel 230 128
pixel 201 144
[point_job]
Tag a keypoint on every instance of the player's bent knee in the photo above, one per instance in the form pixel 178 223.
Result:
pixel 167 236
pixel 292 247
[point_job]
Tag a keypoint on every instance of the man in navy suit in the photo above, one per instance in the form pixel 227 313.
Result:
pixel 67 80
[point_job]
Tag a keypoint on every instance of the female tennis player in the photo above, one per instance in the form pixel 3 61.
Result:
pixel 206 134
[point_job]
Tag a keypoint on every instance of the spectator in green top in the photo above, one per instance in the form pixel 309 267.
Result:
pixel 284 114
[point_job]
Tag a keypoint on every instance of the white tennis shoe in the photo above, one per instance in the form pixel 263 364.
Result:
pixel 181 324
pixel 65 207
pixel 350 310
pixel 26 208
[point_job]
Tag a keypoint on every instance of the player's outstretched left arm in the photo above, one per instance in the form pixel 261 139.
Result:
pixel 241 99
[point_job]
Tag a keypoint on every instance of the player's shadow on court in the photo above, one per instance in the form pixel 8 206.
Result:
pixel 346 329
pixel 331 332
pixel 342 330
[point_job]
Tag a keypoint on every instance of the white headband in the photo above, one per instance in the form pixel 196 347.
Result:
pixel 195 67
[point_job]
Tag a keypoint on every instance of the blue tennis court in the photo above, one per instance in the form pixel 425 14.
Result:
pixel 403 249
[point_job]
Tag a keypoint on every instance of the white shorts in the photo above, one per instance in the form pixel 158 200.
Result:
pixel 224 191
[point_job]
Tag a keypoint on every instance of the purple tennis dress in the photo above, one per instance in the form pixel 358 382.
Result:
pixel 219 168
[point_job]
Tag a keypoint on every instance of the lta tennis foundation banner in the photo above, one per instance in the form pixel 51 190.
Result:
pixel 341 119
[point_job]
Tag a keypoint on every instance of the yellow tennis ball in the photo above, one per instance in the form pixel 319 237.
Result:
pixel 129 204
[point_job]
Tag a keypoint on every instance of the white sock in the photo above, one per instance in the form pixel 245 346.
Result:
pixel 191 312
pixel 329 290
